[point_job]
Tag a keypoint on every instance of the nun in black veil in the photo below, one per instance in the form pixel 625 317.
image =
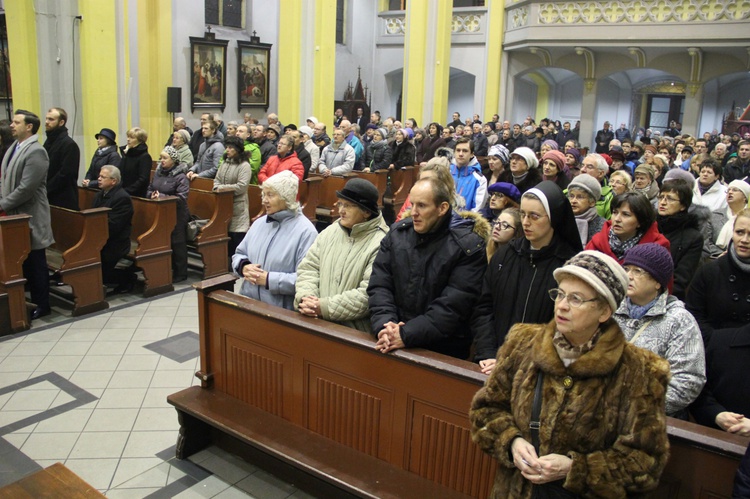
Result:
pixel 519 275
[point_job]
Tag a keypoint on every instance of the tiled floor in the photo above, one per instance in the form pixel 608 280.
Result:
pixel 91 393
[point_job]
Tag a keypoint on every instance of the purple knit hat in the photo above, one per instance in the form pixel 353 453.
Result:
pixel 552 143
pixel 654 259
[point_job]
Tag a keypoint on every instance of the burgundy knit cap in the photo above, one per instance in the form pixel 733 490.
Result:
pixel 556 157
pixel 654 259
pixel 649 148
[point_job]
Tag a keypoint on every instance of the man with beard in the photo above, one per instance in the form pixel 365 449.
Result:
pixel 64 159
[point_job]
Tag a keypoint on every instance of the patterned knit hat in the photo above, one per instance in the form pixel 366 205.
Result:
pixel 600 271
pixel 501 152
pixel 286 185
pixel 173 154
pixel 654 259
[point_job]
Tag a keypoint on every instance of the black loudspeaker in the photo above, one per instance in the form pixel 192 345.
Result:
pixel 174 99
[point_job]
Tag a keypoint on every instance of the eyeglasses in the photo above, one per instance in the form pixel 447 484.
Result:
pixel 503 225
pixel 574 299
pixel 535 217
pixel 637 272
pixel 345 206
pixel 617 182
pixel 668 199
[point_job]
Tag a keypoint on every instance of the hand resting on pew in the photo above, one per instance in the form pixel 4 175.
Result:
pixel 389 338
pixel 310 306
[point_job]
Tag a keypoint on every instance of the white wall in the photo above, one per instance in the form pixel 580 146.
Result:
pixel 460 96
pixel 357 51
pixel 524 102
pixel 389 61
pixel 568 96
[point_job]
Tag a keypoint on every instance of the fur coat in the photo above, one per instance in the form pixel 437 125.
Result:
pixel 610 422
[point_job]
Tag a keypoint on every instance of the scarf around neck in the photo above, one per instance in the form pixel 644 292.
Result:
pixel 619 248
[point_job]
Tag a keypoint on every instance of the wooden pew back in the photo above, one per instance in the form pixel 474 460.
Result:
pixel 15 244
pixel 211 242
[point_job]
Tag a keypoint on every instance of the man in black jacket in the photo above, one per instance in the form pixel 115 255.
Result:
pixel 427 276
pixel 120 217
pixel 64 159
pixel 603 138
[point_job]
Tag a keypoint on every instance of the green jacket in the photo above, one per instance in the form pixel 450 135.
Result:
pixel 603 205
pixel 337 270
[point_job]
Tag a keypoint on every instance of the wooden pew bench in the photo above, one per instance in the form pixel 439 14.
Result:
pixel 54 481
pixel 318 398
pixel 211 242
pixel 400 183
pixel 15 244
pixel 150 238
pixel 76 255
pixel 309 197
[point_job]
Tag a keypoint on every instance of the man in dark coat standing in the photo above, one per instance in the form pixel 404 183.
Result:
pixel 23 190
pixel 603 138
pixel 64 160
pixel 427 276
pixel 120 217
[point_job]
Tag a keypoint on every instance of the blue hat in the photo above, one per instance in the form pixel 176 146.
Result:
pixel 108 133
pixel 506 189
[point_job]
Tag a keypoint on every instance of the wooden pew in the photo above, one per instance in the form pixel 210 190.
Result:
pixel 150 239
pixel 211 243
pixel 309 196
pixel 76 255
pixel 15 245
pixel 202 184
pixel 255 203
pixel 400 183
pixel 318 397
pixel 151 242
pixel 54 481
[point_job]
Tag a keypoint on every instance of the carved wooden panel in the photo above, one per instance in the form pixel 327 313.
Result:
pixel 351 411
pixel 441 450
pixel 256 375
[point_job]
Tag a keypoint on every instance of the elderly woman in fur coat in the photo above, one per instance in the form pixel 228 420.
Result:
pixel 597 400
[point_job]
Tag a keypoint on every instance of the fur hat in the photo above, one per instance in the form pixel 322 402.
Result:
pixel 528 156
pixel 506 189
pixel 600 271
pixel 286 185
pixel 556 157
pixel 587 183
pixel 501 152
pixel 654 259
pixel 680 174
pixel 362 193
pixel 173 154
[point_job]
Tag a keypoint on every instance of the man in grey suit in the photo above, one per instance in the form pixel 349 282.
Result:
pixel 23 189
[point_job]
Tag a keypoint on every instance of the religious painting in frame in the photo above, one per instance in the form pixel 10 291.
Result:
pixel 208 73
pixel 254 73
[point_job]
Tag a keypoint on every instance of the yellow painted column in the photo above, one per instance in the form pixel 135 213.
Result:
pixel 155 70
pixel 22 51
pixel 324 74
pixel 99 84
pixel 542 96
pixel 415 54
pixel 494 48
pixel 290 59
pixel 441 79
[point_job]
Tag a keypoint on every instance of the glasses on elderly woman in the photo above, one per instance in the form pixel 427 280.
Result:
pixel 574 299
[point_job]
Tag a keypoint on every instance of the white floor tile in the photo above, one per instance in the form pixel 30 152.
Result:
pixel 12 378
pixel 111 420
pixel 130 379
pixel 69 421
pixel 131 493
pixel 172 379
pixel 96 472
pixel 156 322
pixel 14 364
pixel 133 311
pixel 156 419
pixel 48 335
pixel 186 322
pixel 49 445
pixel 160 311
pixel 232 493
pixel 31 400
pixel 157 397
pixel 167 364
pixel 132 467
pixel 71 348
pixel 137 348
pixel 80 334
pixel 149 334
pixel 99 363
pixel 96 322
pixel 62 398
pixel 156 476
pixel 99 445
pixel 208 487
pixel 229 468
pixel 149 443
pixel 120 398
pixel 122 322
pixel 91 379
pixel 108 347
pixel 119 334
pixel 138 363
pixel 35 349
pixel 56 363
pixel 17 439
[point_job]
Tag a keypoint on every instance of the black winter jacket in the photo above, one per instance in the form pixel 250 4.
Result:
pixel 378 156
pixel 686 246
pixel 119 220
pixel 515 289
pixel 173 182
pixel 430 282
pixel 135 167
pixel 62 176
pixel 404 154
pixel 103 156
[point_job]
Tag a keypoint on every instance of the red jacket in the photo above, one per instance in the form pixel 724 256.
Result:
pixel 600 241
pixel 276 164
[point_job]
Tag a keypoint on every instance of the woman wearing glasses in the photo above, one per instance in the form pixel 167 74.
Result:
pixel 506 227
pixel 501 195
pixel 682 229
pixel 520 273
pixel 332 279
pixel 653 319
pixel 572 409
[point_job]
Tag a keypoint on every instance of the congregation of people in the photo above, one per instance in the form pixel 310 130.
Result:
pixel 621 275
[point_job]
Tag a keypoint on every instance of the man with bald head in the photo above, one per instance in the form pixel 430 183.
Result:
pixel 178 124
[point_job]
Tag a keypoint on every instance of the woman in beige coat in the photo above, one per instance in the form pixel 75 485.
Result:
pixel 234 173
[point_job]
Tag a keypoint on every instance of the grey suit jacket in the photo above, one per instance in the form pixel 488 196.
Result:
pixel 23 189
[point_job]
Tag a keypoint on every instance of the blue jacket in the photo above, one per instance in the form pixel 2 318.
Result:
pixel 278 243
pixel 471 184
pixel 358 149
